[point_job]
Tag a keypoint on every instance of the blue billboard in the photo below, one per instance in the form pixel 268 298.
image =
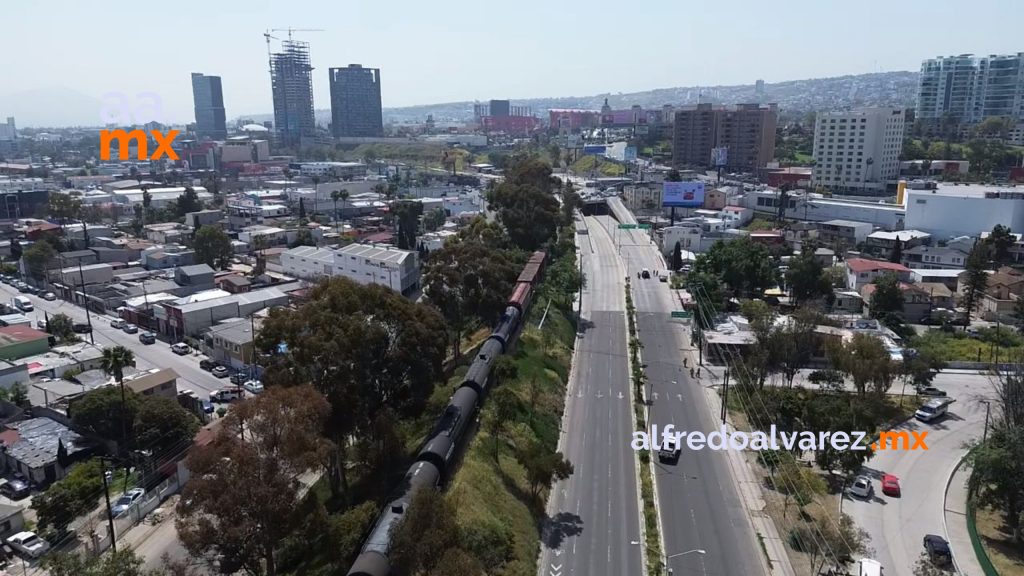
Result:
pixel 594 150
pixel 683 195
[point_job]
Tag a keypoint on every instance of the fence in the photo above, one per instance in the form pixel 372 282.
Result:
pixel 149 502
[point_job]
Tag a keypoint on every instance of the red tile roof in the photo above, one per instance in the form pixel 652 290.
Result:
pixel 859 265
pixel 21 333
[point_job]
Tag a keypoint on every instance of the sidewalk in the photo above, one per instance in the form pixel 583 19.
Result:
pixel 955 523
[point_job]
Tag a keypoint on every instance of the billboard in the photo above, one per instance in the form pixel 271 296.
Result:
pixel 630 154
pixel 719 157
pixel 595 150
pixel 683 194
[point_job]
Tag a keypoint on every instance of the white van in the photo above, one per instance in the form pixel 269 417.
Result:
pixel 934 408
pixel 869 567
pixel 23 303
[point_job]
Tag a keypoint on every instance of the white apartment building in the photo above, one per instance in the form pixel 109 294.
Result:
pixel 397 269
pixel 642 197
pixel 969 89
pixel 858 149
pixel 335 169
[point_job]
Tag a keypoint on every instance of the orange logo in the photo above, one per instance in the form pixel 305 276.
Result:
pixel 893 440
pixel 123 139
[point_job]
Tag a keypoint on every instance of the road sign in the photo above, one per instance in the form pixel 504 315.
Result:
pixel 644 226
pixel 627 226
pixel 681 314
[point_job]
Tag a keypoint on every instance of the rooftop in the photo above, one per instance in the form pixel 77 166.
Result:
pixel 968 190
pixel 859 265
pixel 902 235
pixel 944 273
pixel 850 223
pixel 20 333
pixel 38 441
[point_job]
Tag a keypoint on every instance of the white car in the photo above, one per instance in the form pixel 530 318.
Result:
pixel 862 487
pixel 125 502
pixel 130 328
pixel 49 296
pixel 29 544
pixel 117 323
pixel 180 348
pixel 253 387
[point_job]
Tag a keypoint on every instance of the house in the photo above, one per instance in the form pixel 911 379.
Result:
pixel 31 447
pixel 930 257
pixel 233 283
pixel 230 342
pixel 826 257
pixel 883 241
pixel 737 216
pixel 266 236
pixel 76 257
pixel 940 294
pixel 1005 287
pixel 155 382
pixel 917 304
pixel 847 302
pixel 161 257
pixel 197 220
pixel 687 234
pixel 197 276
pixel 847 232
pixel 21 341
pixel 12 520
pixel 861 271
pixel 168 232
pixel 84 275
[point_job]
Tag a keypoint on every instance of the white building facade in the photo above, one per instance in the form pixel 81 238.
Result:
pixel 964 210
pixel 858 149
pixel 394 268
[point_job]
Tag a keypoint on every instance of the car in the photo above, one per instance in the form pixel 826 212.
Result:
pixel 663 277
pixel 208 407
pixel 226 394
pixel 43 325
pixel 930 391
pixel 253 387
pixel 938 549
pixel 670 451
pixel 862 487
pixel 130 328
pixel 239 377
pixel 15 489
pixel 147 338
pixel 180 348
pixel 81 328
pixel 891 486
pixel 29 544
pixel 645 273
pixel 22 287
pixel 207 364
pixel 117 323
pixel 31 290
pixel 126 501
pixel 220 371
pixel 48 296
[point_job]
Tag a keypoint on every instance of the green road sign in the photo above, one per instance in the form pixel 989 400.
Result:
pixel 627 226
pixel 644 226
pixel 681 314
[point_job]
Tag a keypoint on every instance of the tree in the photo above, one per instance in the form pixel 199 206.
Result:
pixel 887 297
pixel 147 202
pixel 64 207
pixel 161 424
pixel 921 366
pixel 555 154
pixel 1000 240
pixel 38 257
pixel 677 256
pixel 975 278
pixel 424 534
pixel 213 247
pixel 744 265
pixel 707 293
pixel 826 541
pixel 994 127
pixel 100 412
pixel 543 466
pixel 525 202
pixel 434 219
pixel 61 326
pixel 571 202
pixel 365 347
pixel 797 482
pixel 339 195
pixel 188 202
pixel 925 567
pixel 124 562
pixel 806 277
pixel 303 237
pixel 673 176
pixel 469 283
pixel 1018 313
pixel 115 360
pixel 75 495
pixel 408 215
pixel 302 208
pixel 246 524
pixel 865 360
pixel 896 255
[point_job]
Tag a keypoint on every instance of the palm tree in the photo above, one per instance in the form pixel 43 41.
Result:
pixel 338 195
pixel 114 361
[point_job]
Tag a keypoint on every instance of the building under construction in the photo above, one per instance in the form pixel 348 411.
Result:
pixel 292 82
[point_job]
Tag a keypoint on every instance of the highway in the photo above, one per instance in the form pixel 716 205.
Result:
pixel 699 501
pixel 594 521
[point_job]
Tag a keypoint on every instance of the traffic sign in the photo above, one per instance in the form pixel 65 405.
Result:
pixel 627 226
pixel 681 314
pixel 644 226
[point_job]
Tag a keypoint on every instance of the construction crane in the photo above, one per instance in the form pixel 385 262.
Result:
pixel 290 30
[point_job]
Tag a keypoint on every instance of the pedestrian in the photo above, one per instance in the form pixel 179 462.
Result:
pixel 691 372
pixel 685 360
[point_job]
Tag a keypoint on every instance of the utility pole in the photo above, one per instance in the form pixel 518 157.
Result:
pixel 85 302
pixel 725 395
pixel 984 435
pixel 579 311
pixel 106 496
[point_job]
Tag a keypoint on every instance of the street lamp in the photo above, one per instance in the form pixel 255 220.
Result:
pixel 695 551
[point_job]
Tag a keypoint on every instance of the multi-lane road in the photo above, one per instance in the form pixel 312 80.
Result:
pixel 699 503
pixel 594 515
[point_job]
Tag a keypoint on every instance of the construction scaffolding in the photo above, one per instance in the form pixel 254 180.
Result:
pixel 292 83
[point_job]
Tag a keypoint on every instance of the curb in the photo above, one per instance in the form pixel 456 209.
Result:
pixel 945 496
pixel 636 454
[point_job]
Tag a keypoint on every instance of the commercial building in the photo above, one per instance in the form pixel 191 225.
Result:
pixel 191 316
pixel 230 342
pixel 573 120
pixel 397 269
pixel 858 150
pixel 355 102
pixel 292 84
pixel 746 130
pixel 947 210
pixel 966 90
pixel 208 99
pixel 816 208
pixel 341 170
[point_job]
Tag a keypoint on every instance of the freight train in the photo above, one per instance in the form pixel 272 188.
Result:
pixel 435 461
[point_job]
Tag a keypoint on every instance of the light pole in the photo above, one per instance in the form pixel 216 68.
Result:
pixel 696 551
pixel 988 406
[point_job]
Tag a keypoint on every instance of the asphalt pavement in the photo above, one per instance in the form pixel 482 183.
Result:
pixel 700 505
pixel 594 525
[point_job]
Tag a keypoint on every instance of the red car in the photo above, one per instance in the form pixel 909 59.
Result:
pixel 890 485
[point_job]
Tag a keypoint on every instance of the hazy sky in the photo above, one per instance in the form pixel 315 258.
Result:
pixel 431 52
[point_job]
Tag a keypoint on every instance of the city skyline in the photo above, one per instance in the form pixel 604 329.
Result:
pixel 404 45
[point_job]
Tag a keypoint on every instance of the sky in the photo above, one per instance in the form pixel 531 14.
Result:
pixel 432 52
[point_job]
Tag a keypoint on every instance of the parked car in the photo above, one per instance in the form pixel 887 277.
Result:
pixel 29 544
pixel 220 371
pixel 81 328
pixel 207 364
pixel 43 325
pixel 22 287
pixel 180 348
pixel 253 387
pixel 130 328
pixel 15 489
pixel 938 549
pixel 117 323
pixel 891 485
pixel 208 407
pixel 930 391
pixel 862 487
pixel 239 377
pixel 48 296
pixel 226 394
pixel 147 338
pixel 126 501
